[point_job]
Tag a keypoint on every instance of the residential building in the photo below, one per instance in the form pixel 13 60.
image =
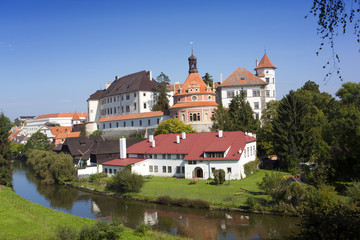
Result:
pixel 259 87
pixel 128 95
pixel 192 155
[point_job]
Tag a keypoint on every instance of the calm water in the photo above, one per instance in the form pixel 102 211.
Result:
pixel 193 223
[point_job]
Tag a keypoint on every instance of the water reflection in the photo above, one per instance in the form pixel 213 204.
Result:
pixel 194 223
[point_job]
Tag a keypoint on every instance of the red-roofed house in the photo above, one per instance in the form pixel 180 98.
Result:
pixel 259 87
pixel 192 155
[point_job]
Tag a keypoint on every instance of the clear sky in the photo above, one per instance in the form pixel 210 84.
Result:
pixel 55 54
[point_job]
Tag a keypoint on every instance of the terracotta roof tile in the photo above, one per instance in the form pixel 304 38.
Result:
pixel 132 116
pixel 194 78
pixel 193 104
pixel 123 162
pixel 56 130
pixel 195 145
pixel 241 77
pixel 62 115
pixel 265 63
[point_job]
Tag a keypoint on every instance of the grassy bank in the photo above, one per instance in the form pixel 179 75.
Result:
pixel 22 219
pixel 231 194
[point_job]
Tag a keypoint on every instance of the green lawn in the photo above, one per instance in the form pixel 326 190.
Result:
pixel 230 194
pixel 22 219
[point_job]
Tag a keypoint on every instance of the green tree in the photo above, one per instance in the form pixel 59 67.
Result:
pixel 292 139
pixel 38 141
pixel 97 133
pixel 161 93
pixel 208 79
pixel 242 115
pixel 219 176
pixel 221 120
pixel 83 131
pixel 5 152
pixel 173 126
pixel 349 93
pixel 265 144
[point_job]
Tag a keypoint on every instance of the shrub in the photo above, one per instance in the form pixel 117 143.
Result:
pixel 94 177
pixel 142 228
pixel 219 176
pixel 125 181
pixel 88 233
pixel 251 167
pixel 271 182
pixel 65 232
pixel 164 200
pixel 354 191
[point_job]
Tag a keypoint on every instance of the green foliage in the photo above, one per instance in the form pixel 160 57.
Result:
pixel 161 98
pixel 65 232
pixel 5 152
pixel 51 167
pixel 173 126
pixel 219 176
pixel 208 79
pixel 241 114
pixel 83 131
pixel 140 134
pixel 125 181
pixel 271 182
pixel 142 228
pixel 38 141
pixel 353 191
pixel 292 138
pixel 221 120
pixel 349 93
pixel 97 133
pixel 251 167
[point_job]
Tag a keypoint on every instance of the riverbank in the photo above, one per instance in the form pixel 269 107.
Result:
pixel 22 219
pixel 231 196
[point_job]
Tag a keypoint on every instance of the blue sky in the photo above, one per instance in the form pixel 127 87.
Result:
pixel 54 54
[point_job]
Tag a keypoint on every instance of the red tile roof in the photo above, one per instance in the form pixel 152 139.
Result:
pixel 76 117
pixel 62 115
pixel 56 130
pixel 193 104
pixel 195 145
pixel 132 116
pixel 194 78
pixel 67 135
pixel 241 77
pixel 123 162
pixel 265 63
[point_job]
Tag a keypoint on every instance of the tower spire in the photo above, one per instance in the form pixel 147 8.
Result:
pixel 192 61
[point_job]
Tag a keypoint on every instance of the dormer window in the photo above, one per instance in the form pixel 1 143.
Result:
pixel 214 154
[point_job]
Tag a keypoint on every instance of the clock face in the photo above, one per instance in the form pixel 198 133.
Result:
pixel 194 98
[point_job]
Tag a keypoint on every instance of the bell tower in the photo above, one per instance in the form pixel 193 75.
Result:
pixel 192 63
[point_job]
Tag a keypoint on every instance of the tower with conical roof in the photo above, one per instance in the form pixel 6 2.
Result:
pixel 266 71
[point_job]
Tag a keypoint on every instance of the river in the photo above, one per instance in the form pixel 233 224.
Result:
pixel 186 222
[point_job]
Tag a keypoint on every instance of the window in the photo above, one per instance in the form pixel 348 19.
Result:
pixel 149 122
pixel 122 109
pixel 256 93
pixel 178 169
pixel 158 120
pixel 105 170
pixel 212 170
pixel 267 80
pixel 177 156
pixel 114 110
pixel 273 80
pixel 194 117
pixel 109 125
pixel 267 93
pixel 247 151
pixel 127 108
pixel 193 98
pixel 256 105
pixel 164 156
pixel 124 124
pixel 169 169
pixel 229 170
pixel 155 155
pixel 169 156
pixel 183 169
pixel 151 169
pixel 164 169
pixel 176 115
pixel 132 123
pixel 144 94
pixel 134 94
pixel 114 171
pixel 122 98
pixel 134 105
pixel 267 71
pixel 127 96
pixel 103 125
pixel 256 115
pixel 140 122
pixel 178 99
pixel 145 105
pixel 110 170
pixel 230 94
pixel 209 97
pixel 273 93
pixel 155 168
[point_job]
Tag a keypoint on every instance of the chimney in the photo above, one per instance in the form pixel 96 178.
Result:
pixel 151 138
pixel 116 77
pixel 150 75
pixel 122 148
pixel 107 85
pixel 221 78
pixel 177 139
pixel 220 133
pixel 257 63
pixel 153 143
pixel 183 135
